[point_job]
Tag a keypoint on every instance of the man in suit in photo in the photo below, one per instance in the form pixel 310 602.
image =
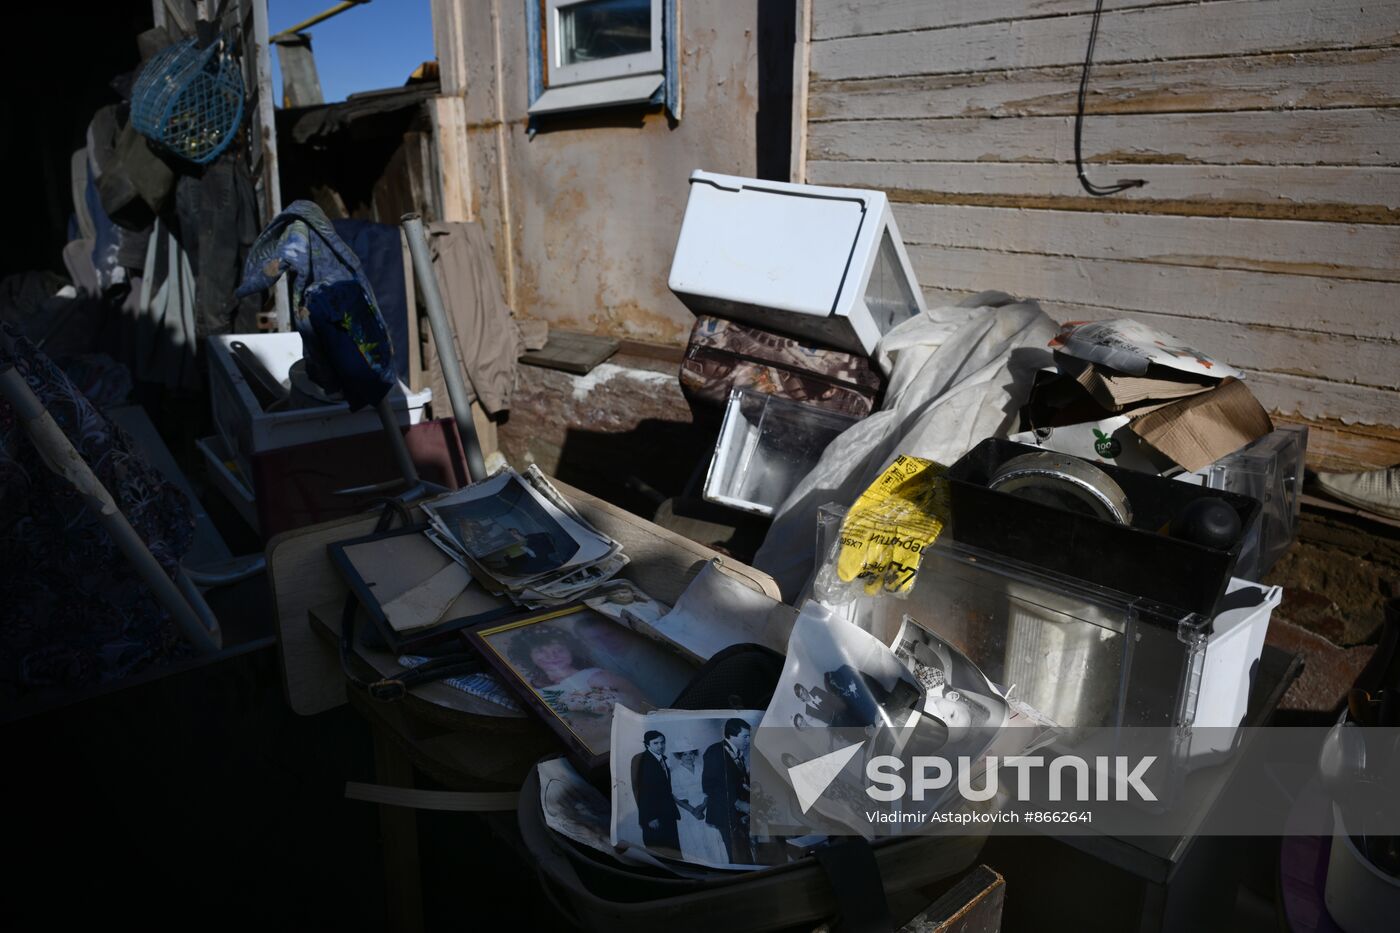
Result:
pixel 651 788
pixel 821 706
pixel 725 780
pixel 866 701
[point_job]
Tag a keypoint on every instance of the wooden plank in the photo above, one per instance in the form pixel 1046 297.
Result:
pixel 1352 78
pixel 1228 28
pixel 1321 192
pixel 1347 448
pixel 1361 136
pixel 448 46
pixel 415 341
pixel 571 352
pixel 801 79
pixel 834 19
pixel 1308 397
pixel 453 158
pixel 1256 347
pixel 270 167
pixel 1353 251
pixel 1315 398
pixel 1321 305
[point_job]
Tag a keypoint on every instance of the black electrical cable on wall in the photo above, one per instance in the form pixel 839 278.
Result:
pixel 1096 190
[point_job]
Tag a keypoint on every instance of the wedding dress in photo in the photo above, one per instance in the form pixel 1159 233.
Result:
pixel 700 842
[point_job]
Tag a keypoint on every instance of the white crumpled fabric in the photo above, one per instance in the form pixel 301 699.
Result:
pixel 958 374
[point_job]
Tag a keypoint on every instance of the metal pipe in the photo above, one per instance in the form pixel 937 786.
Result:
pixel 62 458
pixel 318 18
pixel 446 343
pixel 396 442
pixel 195 598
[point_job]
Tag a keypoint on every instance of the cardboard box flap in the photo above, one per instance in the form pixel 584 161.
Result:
pixel 1116 391
pixel 1058 399
pixel 1201 429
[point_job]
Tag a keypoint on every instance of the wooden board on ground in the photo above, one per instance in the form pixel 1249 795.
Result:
pixel 572 352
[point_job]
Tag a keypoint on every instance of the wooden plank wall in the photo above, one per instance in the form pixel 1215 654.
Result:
pixel 1267 130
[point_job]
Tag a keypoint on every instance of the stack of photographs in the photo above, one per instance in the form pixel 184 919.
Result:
pixel 520 538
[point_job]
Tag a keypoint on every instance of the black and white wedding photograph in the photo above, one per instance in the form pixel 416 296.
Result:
pixel 681 784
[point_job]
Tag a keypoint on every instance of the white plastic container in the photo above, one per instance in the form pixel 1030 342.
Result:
pixel 1360 897
pixel 246 429
pixel 1232 652
pixel 823 264
pixel 766 446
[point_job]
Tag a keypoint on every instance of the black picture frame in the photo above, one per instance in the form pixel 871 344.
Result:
pixel 445 635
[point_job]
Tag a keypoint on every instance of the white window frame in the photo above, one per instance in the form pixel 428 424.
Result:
pixel 604 69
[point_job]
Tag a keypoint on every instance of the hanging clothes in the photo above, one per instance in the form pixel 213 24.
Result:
pixel 217 223
pixel 380 253
pixel 487 337
pixel 344 339
pixel 166 341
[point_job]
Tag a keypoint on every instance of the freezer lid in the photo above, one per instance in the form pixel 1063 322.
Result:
pixel 766 244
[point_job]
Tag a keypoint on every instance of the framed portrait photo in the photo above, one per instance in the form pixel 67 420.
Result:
pixel 573 666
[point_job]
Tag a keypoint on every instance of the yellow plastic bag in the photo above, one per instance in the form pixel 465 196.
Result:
pixel 884 535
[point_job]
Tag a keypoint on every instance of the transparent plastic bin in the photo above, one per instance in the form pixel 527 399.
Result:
pixel 247 429
pixel 1088 658
pixel 1269 469
pixel 766 446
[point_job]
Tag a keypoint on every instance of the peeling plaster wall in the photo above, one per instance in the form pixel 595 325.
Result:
pixel 585 216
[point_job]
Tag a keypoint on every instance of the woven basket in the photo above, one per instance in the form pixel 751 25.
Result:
pixel 189 101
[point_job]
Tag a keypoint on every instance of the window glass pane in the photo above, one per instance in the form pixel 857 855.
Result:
pixel 888 296
pixel 604 29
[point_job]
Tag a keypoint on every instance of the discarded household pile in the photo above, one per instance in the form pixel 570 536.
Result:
pixel 1125 392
